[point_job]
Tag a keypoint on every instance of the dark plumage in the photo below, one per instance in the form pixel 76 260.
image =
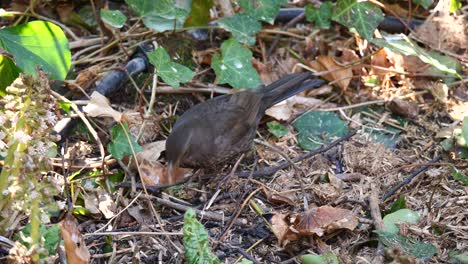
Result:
pixel 218 129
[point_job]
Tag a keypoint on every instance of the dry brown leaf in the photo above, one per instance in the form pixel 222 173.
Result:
pixel 99 106
pixel 459 111
pixel 281 227
pixel 341 76
pixel 380 59
pixel 325 219
pixel 440 92
pixel 316 221
pixel 277 198
pixel 152 172
pixel 75 246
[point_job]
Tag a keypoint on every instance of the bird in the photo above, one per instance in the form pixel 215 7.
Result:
pixel 216 131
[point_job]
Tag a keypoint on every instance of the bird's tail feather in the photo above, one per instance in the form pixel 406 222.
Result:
pixel 288 86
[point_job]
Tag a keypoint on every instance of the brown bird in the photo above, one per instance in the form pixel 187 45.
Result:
pixel 221 128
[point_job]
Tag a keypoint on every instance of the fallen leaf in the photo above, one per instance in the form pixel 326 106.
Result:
pixel 341 76
pixel 286 109
pixel 99 106
pixel 75 246
pixel 325 219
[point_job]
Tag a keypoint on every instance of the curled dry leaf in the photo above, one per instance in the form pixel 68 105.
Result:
pixel 341 76
pixel 286 109
pixel 99 106
pixel 440 92
pixel 318 221
pixel 99 201
pixel 152 172
pixel 75 246
pixel 403 108
pixel 277 198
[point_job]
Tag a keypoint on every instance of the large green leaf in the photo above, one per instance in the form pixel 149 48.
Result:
pixel 318 128
pixel 262 10
pixel 234 66
pixel 171 72
pixel 197 248
pixel 401 216
pixel 38 43
pixel 161 15
pixel 242 26
pixel 364 17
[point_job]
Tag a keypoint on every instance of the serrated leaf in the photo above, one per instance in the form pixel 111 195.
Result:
pixel 8 73
pixel 120 146
pixel 234 66
pixel 400 43
pixel 322 16
pixel 403 215
pixel 326 258
pixel 242 26
pixel 318 128
pixel 200 13
pixel 277 129
pixel 364 17
pixel 38 43
pixel 197 248
pixel 424 3
pixel 262 10
pixel 171 72
pixel 409 246
pixel 114 18
pixel 160 15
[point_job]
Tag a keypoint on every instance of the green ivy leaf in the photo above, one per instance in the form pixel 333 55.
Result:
pixel 409 246
pixel 400 43
pixel 318 128
pixel 234 66
pixel 242 26
pixel 160 15
pixel 262 10
pixel 37 43
pixel 197 248
pixel 424 3
pixel 200 13
pixel 321 17
pixel 8 73
pixel 171 72
pixel 120 146
pixel 114 18
pixel 277 129
pixel 364 17
pixel 403 215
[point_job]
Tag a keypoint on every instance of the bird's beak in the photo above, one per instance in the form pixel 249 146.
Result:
pixel 172 167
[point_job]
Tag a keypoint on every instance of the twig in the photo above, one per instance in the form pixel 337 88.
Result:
pixel 288 25
pixel 378 222
pixel 413 175
pixel 201 213
pixel 88 125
